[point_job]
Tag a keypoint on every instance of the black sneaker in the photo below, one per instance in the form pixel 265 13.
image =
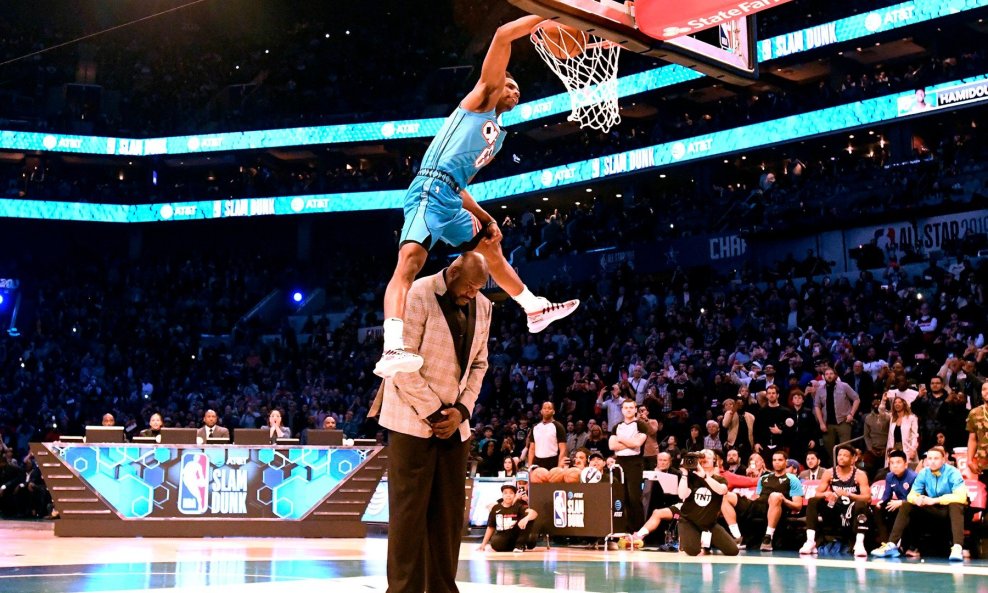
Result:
pixel 766 544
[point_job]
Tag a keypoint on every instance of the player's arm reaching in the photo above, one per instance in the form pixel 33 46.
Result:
pixel 486 93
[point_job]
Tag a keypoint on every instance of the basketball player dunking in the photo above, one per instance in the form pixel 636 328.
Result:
pixel 438 207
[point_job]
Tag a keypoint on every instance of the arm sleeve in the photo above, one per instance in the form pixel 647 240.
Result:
pixel 887 494
pixel 560 432
pixel 795 487
pixel 415 390
pixel 919 487
pixel 958 490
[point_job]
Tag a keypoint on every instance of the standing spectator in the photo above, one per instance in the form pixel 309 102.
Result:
pixel 836 405
pixel 740 426
pixel 903 430
pixel 612 404
pixel 862 384
pixel 805 435
pixel 651 451
pixel 876 434
pixel 773 423
pixel 977 440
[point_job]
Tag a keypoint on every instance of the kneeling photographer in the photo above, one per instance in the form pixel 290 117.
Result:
pixel 702 492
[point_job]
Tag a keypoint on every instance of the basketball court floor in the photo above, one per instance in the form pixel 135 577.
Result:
pixel 33 560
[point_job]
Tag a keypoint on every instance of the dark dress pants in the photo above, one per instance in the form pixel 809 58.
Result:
pixel 426 496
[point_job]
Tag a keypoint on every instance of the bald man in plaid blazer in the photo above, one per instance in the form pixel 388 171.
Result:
pixel 447 322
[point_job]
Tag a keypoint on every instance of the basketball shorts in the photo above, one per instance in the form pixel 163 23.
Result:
pixel 434 212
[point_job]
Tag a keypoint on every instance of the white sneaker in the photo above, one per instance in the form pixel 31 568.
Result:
pixel 540 319
pixel 809 548
pixel 393 362
pixel 860 551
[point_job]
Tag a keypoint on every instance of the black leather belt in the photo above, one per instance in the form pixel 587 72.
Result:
pixel 441 176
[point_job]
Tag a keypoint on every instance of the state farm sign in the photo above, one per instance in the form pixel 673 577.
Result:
pixel 664 20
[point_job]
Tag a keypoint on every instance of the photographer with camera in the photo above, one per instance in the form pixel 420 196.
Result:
pixel 702 492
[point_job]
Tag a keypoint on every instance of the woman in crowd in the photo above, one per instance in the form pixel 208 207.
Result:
pixel 275 429
pixel 903 429
pixel 154 426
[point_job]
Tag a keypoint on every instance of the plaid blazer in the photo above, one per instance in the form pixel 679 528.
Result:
pixel 405 401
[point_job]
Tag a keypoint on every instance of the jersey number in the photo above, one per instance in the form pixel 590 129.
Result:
pixel 490 131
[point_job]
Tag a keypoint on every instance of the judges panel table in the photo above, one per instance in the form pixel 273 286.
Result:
pixel 129 490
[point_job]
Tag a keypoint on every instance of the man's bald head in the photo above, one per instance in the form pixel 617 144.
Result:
pixel 466 276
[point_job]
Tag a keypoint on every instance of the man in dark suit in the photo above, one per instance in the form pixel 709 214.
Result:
pixel 862 383
pixel 210 430
pixel 447 323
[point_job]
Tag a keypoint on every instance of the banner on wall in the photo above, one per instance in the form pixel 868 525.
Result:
pixel 920 235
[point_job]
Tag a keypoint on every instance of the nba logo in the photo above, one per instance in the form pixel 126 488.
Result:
pixel 193 487
pixel 559 509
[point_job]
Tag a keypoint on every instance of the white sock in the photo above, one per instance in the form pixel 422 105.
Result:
pixel 528 301
pixel 394 329
pixel 770 531
pixel 735 530
pixel 705 539
pixel 859 540
pixel 810 535
pixel 641 533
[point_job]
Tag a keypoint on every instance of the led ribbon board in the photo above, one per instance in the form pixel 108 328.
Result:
pixel 951 95
pixel 212 482
pixel 843 30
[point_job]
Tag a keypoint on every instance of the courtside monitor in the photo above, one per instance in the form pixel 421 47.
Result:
pixel 178 436
pixel 104 434
pixel 324 438
pixel 252 436
pixel 715 37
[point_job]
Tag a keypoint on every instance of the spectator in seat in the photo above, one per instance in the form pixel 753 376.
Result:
pixel 939 494
pixel 813 470
pixel 898 483
pixel 209 429
pixel 778 493
pixel 155 423
pixel 275 429
pixel 842 498
pixel 108 420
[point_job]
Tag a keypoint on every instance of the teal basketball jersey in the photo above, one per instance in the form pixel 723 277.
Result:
pixel 466 142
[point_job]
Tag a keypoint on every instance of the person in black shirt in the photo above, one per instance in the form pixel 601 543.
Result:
pixel 702 491
pixel 508 523
pixel 773 423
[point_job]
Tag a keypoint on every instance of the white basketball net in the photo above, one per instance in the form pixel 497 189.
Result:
pixel 590 77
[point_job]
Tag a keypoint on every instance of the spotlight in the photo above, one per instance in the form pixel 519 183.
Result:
pixel 297 296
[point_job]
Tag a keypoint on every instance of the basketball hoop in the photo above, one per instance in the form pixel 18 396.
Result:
pixel 590 77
